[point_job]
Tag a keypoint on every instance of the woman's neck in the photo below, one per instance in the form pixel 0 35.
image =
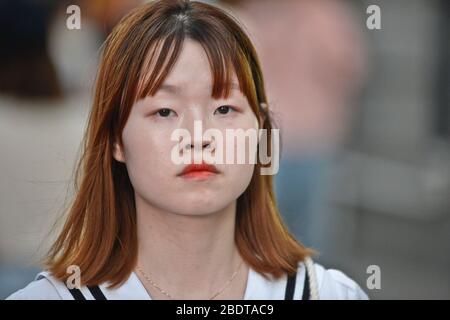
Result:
pixel 190 257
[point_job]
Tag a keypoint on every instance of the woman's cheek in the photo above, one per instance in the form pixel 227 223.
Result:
pixel 239 178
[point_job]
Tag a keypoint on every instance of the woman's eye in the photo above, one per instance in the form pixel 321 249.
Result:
pixel 224 109
pixel 165 112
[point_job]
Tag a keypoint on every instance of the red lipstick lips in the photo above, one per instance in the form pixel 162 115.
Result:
pixel 198 171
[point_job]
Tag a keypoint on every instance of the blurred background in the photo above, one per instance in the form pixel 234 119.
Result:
pixel 364 118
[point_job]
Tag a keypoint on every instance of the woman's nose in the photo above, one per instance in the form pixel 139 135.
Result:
pixel 196 123
pixel 204 143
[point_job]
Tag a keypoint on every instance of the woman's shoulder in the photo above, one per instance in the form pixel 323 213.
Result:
pixel 335 284
pixel 44 287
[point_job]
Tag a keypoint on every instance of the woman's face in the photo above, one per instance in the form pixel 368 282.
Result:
pixel 147 149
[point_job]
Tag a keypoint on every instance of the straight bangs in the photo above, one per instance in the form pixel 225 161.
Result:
pixel 226 59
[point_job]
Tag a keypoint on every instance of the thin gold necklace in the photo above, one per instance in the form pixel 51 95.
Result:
pixel 171 297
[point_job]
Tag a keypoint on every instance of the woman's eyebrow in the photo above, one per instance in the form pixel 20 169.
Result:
pixel 176 90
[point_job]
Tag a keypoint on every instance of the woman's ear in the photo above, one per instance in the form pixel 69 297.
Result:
pixel 118 152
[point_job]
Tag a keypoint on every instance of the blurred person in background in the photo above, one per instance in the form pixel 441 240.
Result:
pixel 75 52
pixel 312 78
pixel 27 70
pixel 40 129
pixel 46 71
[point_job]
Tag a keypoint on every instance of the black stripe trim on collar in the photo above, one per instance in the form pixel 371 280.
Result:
pixel 97 293
pixel 77 295
pixel 290 287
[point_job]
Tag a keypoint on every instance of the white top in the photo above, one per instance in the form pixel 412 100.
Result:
pixel 332 284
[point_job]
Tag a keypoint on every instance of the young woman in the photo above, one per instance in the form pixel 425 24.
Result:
pixel 145 227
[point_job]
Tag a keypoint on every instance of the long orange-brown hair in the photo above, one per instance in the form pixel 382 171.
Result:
pixel 100 234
